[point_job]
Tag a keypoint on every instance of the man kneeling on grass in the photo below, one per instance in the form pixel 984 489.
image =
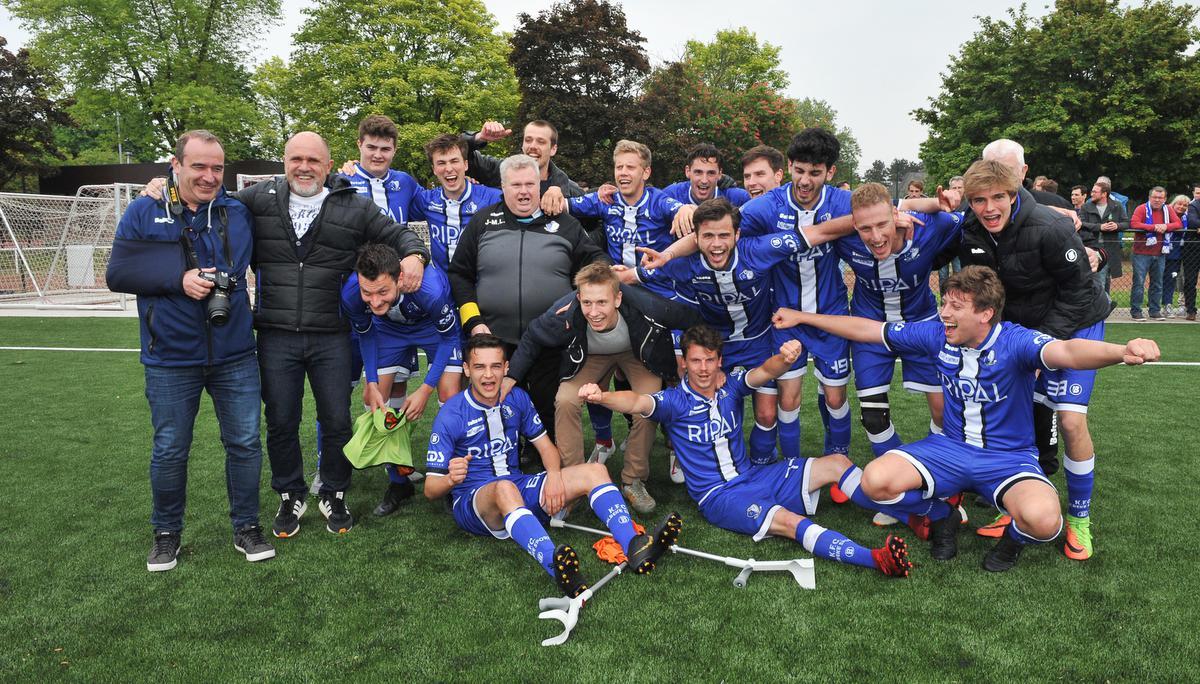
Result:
pixel 703 417
pixel 473 457
pixel 987 370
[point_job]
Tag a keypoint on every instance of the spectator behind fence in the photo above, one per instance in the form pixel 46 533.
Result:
pixel 1106 218
pixel 1173 243
pixel 1191 253
pixel 1150 222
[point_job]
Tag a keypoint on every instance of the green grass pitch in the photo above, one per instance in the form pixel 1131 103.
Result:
pixel 412 598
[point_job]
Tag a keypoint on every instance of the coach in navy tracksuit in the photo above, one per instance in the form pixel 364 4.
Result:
pixel 162 252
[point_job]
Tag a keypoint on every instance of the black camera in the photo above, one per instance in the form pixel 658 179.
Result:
pixel 218 297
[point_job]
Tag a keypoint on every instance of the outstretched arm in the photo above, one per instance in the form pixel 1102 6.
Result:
pixel 851 328
pixel 620 402
pixel 1092 354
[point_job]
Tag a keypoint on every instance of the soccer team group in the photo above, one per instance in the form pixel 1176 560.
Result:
pixel 759 272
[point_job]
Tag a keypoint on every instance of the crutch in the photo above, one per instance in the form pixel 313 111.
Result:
pixel 566 610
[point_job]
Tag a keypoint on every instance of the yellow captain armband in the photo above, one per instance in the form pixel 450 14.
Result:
pixel 468 311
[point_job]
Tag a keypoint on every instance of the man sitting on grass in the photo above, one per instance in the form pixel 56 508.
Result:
pixel 473 456
pixel 987 370
pixel 703 416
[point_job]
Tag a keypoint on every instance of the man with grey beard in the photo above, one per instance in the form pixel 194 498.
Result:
pixel 308 228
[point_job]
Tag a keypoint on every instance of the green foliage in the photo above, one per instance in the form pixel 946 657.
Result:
pixel 28 117
pixel 433 66
pixel 735 61
pixel 164 67
pixel 878 173
pixel 1092 88
pixel 580 67
pixel 733 105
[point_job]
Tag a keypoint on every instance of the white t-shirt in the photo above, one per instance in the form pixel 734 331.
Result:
pixel 304 210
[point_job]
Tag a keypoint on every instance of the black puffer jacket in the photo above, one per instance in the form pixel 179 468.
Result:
pixel 1048 283
pixel 304 295
pixel 650 320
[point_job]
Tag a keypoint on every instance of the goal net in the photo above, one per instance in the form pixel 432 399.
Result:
pixel 54 249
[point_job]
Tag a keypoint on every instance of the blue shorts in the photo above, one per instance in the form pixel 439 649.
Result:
pixel 874 365
pixel 402 359
pixel 468 518
pixel 949 467
pixel 749 502
pixel 830 355
pixel 1069 389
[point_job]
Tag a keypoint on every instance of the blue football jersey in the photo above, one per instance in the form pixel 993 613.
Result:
pixel 897 288
pixel 488 434
pixel 646 223
pixel 706 434
pixel 392 194
pixel 735 300
pixel 682 193
pixel 447 217
pixel 415 318
pixel 988 391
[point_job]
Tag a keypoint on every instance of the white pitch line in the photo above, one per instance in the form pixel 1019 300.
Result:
pixel 420 352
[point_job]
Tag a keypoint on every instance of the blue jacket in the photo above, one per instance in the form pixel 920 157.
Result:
pixel 148 260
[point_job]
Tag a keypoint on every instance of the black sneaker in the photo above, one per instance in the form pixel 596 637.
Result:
pixel 943 536
pixel 1003 555
pixel 164 552
pixel 566 571
pixel 287 520
pixel 337 516
pixel 250 541
pixel 645 549
pixel 395 495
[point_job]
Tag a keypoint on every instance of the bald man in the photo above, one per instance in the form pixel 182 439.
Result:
pixel 308 227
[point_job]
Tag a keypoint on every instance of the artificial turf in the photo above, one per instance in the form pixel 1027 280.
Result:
pixel 412 597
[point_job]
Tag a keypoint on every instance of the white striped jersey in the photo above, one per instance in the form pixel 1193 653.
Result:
pixel 645 223
pixel 392 194
pixel 447 217
pixel 735 300
pixel 682 192
pixel 810 280
pixel 897 288
pixel 706 434
pixel 488 434
pixel 988 390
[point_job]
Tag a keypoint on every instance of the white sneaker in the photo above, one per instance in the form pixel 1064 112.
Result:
pixel 639 499
pixel 676 471
pixel 883 520
pixel 601 453
pixel 416 476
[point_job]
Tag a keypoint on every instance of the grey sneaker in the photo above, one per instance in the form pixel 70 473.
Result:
pixel 883 520
pixel 250 541
pixel 601 453
pixel 639 499
pixel 164 552
pixel 315 489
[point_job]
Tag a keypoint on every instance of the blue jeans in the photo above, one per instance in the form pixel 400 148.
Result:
pixel 1171 270
pixel 286 357
pixel 1144 264
pixel 174 396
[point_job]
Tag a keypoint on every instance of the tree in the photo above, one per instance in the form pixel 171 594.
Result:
pixel 877 173
pixel 734 60
pixel 811 112
pixel 1092 88
pixel 152 69
pixel 898 173
pixel 271 84
pixel 433 66
pixel 27 118
pixel 580 67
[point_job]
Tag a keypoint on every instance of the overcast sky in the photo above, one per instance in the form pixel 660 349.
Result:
pixel 894 50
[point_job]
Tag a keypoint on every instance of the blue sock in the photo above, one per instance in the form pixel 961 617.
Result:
pixel 1017 534
pixel 910 502
pixel 608 505
pixel 526 532
pixel 762 444
pixel 318 444
pixel 837 427
pixel 788 425
pixel 823 410
pixel 885 441
pixel 394 475
pixel 832 545
pixel 1080 476
pixel 601 422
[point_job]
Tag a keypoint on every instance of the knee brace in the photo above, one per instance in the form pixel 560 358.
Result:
pixel 876 413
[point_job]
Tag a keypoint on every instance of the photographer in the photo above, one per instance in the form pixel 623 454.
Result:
pixel 185 257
